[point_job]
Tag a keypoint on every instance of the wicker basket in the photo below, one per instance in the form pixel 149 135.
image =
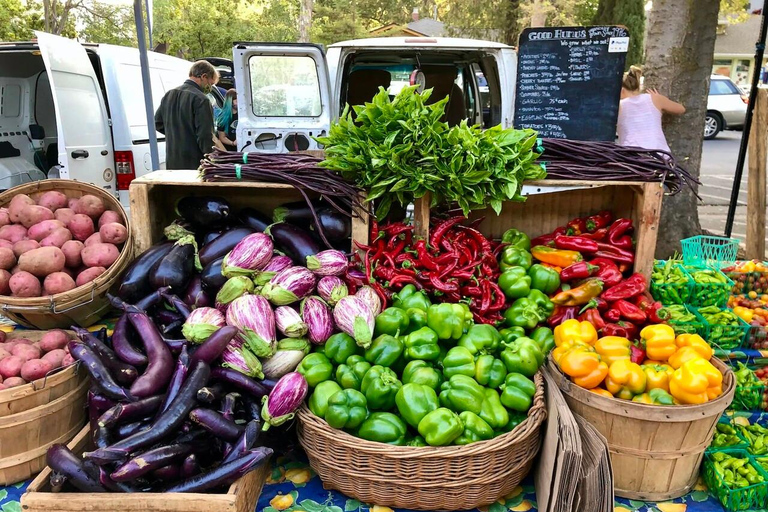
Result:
pixel 429 478
pixel 85 305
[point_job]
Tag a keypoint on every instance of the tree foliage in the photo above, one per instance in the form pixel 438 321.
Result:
pixel 631 14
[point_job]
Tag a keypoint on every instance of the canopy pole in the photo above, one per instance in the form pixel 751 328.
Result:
pixel 150 109
pixel 150 25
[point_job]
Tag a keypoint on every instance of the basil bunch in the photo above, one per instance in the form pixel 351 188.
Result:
pixel 400 150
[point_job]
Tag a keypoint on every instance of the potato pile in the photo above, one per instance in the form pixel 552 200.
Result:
pixel 56 244
pixel 22 360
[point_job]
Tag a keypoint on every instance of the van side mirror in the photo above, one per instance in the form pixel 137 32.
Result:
pixel 36 132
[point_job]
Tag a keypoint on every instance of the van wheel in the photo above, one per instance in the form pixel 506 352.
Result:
pixel 712 125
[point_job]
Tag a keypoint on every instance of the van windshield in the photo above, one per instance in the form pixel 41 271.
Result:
pixel 284 86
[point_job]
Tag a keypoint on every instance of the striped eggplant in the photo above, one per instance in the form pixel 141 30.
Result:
pixel 283 401
pixel 289 285
pixel 331 289
pixel 238 357
pixel 289 322
pixel 249 256
pixel 201 323
pixel 328 263
pixel 234 287
pixel 354 317
pixel 290 352
pixel 275 265
pixel 253 315
pixel 317 316
pixel 370 297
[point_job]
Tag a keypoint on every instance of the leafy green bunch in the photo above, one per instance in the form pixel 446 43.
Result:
pixel 400 149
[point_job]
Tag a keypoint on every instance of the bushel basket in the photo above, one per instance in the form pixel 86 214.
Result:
pixel 423 478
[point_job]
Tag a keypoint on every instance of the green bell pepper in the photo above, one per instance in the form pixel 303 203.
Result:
pixel 517 392
pixel 318 401
pixel 422 344
pixel 510 334
pixel 544 305
pixel 350 375
pixel 449 320
pixel 523 356
pixel 315 368
pixel 522 313
pixel 515 418
pixel 489 371
pixel 392 321
pixel 417 318
pixel 440 427
pixel 492 411
pixel 516 238
pixel 481 339
pixel 545 338
pixel 458 361
pixel 414 401
pixel 416 441
pixel 515 283
pixel 462 393
pixel 475 429
pixel 515 257
pixel 346 409
pixel 410 297
pixel 384 350
pixel 544 279
pixel 383 427
pixel 340 346
pixel 420 372
pixel 380 385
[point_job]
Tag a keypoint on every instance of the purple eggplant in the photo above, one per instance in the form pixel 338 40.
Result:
pixel 177 379
pixel 249 256
pixel 101 436
pixel 245 442
pixel 234 288
pixel 370 297
pixel 202 323
pixel 128 429
pixel 190 466
pixel 290 352
pixel 331 289
pixel 174 345
pixel 354 317
pixel 63 462
pixel 224 474
pixel 216 424
pixel 254 219
pixel 98 404
pixel 178 305
pixel 295 242
pixel 99 372
pixel 355 276
pixel 283 402
pixel 228 406
pixel 210 236
pixel 222 244
pixel 239 381
pixel 206 212
pixel 297 213
pixel 149 461
pixel 317 316
pixel 289 322
pixel 124 347
pixel 238 357
pixel 160 368
pixel 167 474
pixel 336 226
pixel 275 265
pixel 123 373
pixel 215 345
pixel 134 284
pixel 253 315
pixel 121 413
pixel 289 286
pixel 176 268
pixel 211 277
pixel 210 394
pixel 195 296
pixel 328 263
pixel 165 317
pixel 113 486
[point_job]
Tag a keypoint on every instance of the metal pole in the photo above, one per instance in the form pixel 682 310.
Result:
pixel 150 109
pixel 759 51
pixel 150 25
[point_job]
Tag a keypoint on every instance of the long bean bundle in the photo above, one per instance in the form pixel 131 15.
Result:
pixel 607 161
pixel 300 171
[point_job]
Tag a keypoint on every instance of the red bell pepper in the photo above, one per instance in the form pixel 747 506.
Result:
pixel 618 234
pixel 621 329
pixel 637 354
pixel 657 314
pixel 614 253
pixel 561 314
pixel 630 287
pixel 599 220
pixel 629 311
pixel 575 243
pixel 599 235
pixel 607 271
pixel 577 226
pixel 596 303
pixel 580 270
pixel 592 315
pixel 612 315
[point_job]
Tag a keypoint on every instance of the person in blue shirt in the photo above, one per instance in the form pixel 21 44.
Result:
pixel 226 121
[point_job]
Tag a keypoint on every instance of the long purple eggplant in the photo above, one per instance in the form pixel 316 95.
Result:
pixel 166 316
pixel 99 372
pixel 210 394
pixel 190 466
pixel 121 343
pixel 216 424
pixel 179 305
pixel 124 373
pixel 221 245
pixel 128 429
pixel 224 474
pixel 195 296
pixel 101 436
pixel 134 283
pixel 98 404
pixel 215 345
pixel 172 327
pixel 175 346
pixel 122 413
pixel 203 211
pixel 182 367
pixel 254 219
pixel 169 422
pixel 62 461
pixel 240 381
pixel 112 485
pixel 169 473
pixel 150 460
pixel 245 442
pixel 252 408
pixel 158 373
pixel 228 406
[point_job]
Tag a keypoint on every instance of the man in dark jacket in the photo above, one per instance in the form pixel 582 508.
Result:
pixel 185 116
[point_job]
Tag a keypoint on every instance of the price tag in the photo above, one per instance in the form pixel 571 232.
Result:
pixel 618 45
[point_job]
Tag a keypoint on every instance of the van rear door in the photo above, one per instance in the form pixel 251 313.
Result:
pixel 85 139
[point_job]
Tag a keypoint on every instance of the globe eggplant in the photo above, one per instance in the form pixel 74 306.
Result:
pixel 289 286
pixel 222 244
pixel 237 357
pixel 250 255
pixel 370 297
pixel 253 219
pixel 328 263
pixel 206 212
pixel 317 316
pixel 275 265
pixel 134 284
pixel 331 289
pixel 211 276
pixel 290 352
pixel 354 317
pixel 175 269
pixel 289 322
pixel 201 323
pixel 234 287
pixel 295 242
pixel 253 316
pixel 284 400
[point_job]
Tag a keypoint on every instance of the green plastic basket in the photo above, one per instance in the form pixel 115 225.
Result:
pixel 698 326
pixel 671 293
pixel 746 498
pixel 709 251
pixel 708 294
pixel 722 336
pixel 743 445
pixel 748 398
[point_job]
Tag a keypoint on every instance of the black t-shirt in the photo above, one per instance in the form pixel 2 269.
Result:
pixel 230 131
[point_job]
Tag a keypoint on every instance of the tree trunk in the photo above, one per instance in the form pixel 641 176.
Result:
pixel 305 20
pixel 679 51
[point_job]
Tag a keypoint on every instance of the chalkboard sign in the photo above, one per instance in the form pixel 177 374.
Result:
pixel 569 81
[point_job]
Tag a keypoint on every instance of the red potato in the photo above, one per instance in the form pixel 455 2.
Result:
pixel 24 284
pixel 26 352
pixel 23 341
pixel 4 353
pixel 43 229
pixel 113 233
pixel 7 258
pixel 72 202
pixel 8 345
pixel 18 202
pixel 11 367
pixel 90 205
pixel 88 275
pixel 94 239
pixel 15 270
pixel 23 246
pixel 13 382
pixel 5 217
pixel 3 336
pixel 6 243
pixel 13 233
pixel 55 357
pixel 100 255
pixel 81 227
pixel 57 238
pixel 64 215
pixel 35 369
pixel 54 340
pixel 70 272
pixel 33 214
pixel 72 250
pixel 58 282
pixel 108 217
pixel 42 261
pixel 68 360
pixel 53 200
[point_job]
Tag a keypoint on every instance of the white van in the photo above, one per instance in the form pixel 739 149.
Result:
pixel 76 111
pixel 289 93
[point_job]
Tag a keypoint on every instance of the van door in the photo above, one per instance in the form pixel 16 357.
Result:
pixel 85 139
pixel 284 96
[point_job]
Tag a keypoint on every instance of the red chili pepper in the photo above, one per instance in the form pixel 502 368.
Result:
pixel 607 271
pixel 383 294
pixel 598 236
pixel 593 316
pixel 615 253
pixel 657 314
pixel 402 280
pixel 629 311
pixel 579 270
pixel 618 234
pixel 630 287
pixel 441 286
pixel 424 257
pixel 543 240
pixel 575 243
pixel 561 314
pixel 499 300
pixel 441 229
pixel 577 226
pixel 599 220
pixel 637 354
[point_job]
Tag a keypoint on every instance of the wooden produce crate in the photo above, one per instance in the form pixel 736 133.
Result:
pixel 154 197
pixel 552 203
pixel 240 497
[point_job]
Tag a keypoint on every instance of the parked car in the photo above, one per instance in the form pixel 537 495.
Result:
pixel 74 110
pixel 726 106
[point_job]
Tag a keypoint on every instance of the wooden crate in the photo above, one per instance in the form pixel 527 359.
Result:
pixel 154 197
pixel 241 496
pixel 552 203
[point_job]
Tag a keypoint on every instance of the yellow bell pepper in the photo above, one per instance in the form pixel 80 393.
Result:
pixel 682 356
pixel 558 352
pixel 601 392
pixel 625 379
pixel 655 397
pixel 696 382
pixel 594 378
pixel 613 348
pixel 583 365
pixel 713 375
pixel 572 331
pixel 697 342
pixel 745 314
pixel 657 375
pixel 659 341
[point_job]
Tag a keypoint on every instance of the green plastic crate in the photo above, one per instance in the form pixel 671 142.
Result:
pixel 717 332
pixel 697 326
pixel 708 294
pixel 671 293
pixel 704 251
pixel 746 498
pixel 748 398
pixel 743 445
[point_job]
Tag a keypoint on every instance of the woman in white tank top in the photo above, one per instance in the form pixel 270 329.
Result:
pixel 640 113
